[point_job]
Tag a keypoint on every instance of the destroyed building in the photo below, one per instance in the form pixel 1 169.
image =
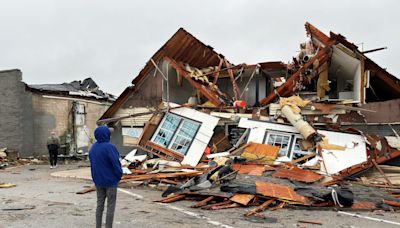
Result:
pixel 31 112
pixel 301 133
pixel 185 70
pixel 344 89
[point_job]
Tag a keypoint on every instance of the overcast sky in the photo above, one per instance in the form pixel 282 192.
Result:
pixel 55 41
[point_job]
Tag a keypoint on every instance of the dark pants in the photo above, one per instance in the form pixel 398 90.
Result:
pixel 111 195
pixel 53 154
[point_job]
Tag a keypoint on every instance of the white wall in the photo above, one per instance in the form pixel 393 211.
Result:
pixel 203 136
pixel 334 160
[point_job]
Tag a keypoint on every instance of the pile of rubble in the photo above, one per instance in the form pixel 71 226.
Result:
pixel 310 142
pixel 10 158
pixel 320 173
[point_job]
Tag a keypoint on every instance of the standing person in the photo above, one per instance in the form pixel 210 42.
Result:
pixel 53 143
pixel 106 173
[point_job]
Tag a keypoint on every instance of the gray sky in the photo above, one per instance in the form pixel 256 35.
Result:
pixel 54 41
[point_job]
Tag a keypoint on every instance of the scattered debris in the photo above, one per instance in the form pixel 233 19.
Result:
pixel 310 222
pixel 7 185
pixel 314 140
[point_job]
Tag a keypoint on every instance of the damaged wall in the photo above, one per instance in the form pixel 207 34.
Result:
pixel 55 114
pixel 335 160
pixel 27 117
pixel 12 102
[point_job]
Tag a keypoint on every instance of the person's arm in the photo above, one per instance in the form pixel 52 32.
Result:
pixel 58 142
pixel 114 157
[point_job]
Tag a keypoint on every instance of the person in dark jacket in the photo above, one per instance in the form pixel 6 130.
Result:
pixel 106 173
pixel 53 143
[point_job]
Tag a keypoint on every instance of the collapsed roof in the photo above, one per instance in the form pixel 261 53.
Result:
pixel 380 85
pixel 86 88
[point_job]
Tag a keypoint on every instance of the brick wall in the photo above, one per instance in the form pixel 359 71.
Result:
pixel 54 114
pixel 11 94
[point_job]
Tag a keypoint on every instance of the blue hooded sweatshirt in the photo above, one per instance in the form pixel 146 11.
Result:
pixel 104 160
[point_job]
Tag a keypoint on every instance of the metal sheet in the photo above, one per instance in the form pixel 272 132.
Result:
pixel 243 199
pixel 280 191
pixel 298 174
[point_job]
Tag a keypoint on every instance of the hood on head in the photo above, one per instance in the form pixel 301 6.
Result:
pixel 102 134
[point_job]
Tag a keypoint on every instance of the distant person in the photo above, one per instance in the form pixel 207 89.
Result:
pixel 53 143
pixel 106 173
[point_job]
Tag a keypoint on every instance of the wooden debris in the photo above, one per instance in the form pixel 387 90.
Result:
pixel 392 203
pixel 298 174
pixel 364 205
pixel 207 207
pixel 7 185
pixel 280 191
pixel 167 181
pixel 203 202
pixel 232 205
pixel 260 208
pixel 261 153
pixel 303 158
pixel 381 172
pixel 86 190
pixel 251 169
pixel 172 198
pixel 150 176
pixel 242 199
pixel 279 206
pixel 310 222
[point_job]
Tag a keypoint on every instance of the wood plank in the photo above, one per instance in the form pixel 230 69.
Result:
pixel 243 199
pixel 86 190
pixel 203 202
pixel 381 172
pixel 260 208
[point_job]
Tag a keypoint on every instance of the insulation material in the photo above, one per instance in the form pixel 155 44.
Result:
pixel 327 146
pixel 294 102
pixel 322 83
pixel 261 153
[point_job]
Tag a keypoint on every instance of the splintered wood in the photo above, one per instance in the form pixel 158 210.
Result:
pixel 261 153
pixel 158 176
pixel 260 208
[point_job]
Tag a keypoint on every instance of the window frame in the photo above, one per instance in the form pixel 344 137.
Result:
pixel 292 150
pixel 175 131
pixel 280 133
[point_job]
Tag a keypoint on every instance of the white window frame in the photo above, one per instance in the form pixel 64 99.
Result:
pixel 175 132
pixel 269 133
pixel 292 150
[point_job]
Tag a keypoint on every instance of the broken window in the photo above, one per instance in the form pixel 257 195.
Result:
pixel 280 140
pixel 176 133
pixel 296 150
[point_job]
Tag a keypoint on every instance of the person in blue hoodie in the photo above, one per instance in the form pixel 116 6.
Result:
pixel 106 173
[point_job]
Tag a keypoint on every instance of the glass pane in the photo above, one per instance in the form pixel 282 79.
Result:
pixel 166 130
pixel 184 136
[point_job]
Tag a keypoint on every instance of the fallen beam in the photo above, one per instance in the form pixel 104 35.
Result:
pixel 260 208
